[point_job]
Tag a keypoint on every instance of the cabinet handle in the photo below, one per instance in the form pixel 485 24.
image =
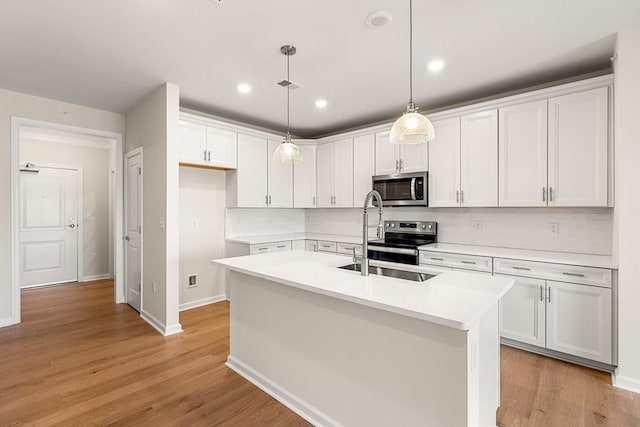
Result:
pixel 204 156
pixel 209 156
pixel 468 262
pixel 573 274
pixel 266 200
pixel 262 249
pixel 397 165
pixel 544 194
pixel 314 200
pixel 457 196
pixel 436 259
pixel 281 246
pixel 461 196
pixel 401 165
pixel 269 199
pixel 549 294
pixel 521 268
pixel 541 292
pixel 551 194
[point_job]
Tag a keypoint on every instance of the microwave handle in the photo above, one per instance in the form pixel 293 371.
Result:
pixel 413 189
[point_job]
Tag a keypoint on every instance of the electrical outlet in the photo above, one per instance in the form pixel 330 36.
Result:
pixel 476 225
pixel 154 286
pixel 192 280
pixel 94 257
pixel 161 222
pixel 194 224
pixel 554 227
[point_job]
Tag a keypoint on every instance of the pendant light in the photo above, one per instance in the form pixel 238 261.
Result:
pixel 287 150
pixel 412 127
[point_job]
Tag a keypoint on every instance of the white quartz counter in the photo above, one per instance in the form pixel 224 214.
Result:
pixel 259 240
pixel 567 258
pixel 452 299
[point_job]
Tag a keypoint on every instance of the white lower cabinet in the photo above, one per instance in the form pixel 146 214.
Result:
pixel 270 247
pixel 326 246
pixel 298 245
pixel 311 245
pixel 566 317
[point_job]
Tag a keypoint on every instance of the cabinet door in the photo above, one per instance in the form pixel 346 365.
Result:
pixel 193 143
pixel 280 180
pixel 414 158
pixel 444 164
pixel 297 245
pixel 579 320
pixel 578 144
pixel 479 159
pixel 522 311
pixel 343 173
pixel 252 172
pixel 222 146
pixel 386 155
pixel 324 182
pixel 304 178
pixel 311 245
pixel 363 167
pixel 522 160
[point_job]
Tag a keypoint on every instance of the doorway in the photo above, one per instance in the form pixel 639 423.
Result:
pixel 50 208
pixel 103 211
pixel 133 228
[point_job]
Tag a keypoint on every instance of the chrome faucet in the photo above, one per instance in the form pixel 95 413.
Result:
pixel 364 264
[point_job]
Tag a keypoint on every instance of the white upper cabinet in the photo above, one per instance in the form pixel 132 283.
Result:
pixel 304 178
pixel 335 174
pixel 259 181
pixel 392 158
pixel 207 146
pixel 479 159
pixel 363 167
pixel 279 180
pixel 522 172
pixel 444 164
pixel 578 148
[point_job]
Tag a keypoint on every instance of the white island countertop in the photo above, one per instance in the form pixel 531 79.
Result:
pixel 453 299
pixel 567 258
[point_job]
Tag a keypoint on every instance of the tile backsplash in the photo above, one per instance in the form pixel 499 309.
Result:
pixel 580 230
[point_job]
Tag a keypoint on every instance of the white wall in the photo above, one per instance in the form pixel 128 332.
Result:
pixel 95 225
pixel 582 230
pixel 33 107
pixel 627 210
pixel 153 125
pixel 202 200
pixel 256 222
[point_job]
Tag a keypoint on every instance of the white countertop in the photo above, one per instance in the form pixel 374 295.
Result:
pixel 452 299
pixel 259 240
pixel 566 258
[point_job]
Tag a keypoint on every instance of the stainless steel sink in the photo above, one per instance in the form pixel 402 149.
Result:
pixel 391 272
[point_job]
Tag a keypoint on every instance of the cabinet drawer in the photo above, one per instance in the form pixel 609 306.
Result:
pixel 467 262
pixel 270 247
pixel 347 248
pixel 311 245
pixel 325 246
pixel 559 272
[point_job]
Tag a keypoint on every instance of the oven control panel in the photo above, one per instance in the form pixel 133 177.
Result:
pixel 416 227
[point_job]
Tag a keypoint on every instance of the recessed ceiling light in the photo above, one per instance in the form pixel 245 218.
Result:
pixel 244 88
pixel 378 18
pixel 321 103
pixel 436 65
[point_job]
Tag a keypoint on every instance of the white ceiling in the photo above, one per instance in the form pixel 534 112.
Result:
pixel 109 53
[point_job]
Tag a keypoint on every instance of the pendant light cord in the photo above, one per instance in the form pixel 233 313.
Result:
pixel 288 86
pixel 411 53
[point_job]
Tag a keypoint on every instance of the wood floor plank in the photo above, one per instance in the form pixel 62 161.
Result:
pixel 79 359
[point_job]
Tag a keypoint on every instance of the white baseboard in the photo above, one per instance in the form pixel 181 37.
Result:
pixel 159 326
pixel 201 302
pixel 297 405
pixel 626 383
pixel 8 321
pixel 96 277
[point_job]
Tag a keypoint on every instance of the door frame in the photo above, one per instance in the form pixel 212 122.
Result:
pixel 126 156
pixel 80 207
pixel 116 206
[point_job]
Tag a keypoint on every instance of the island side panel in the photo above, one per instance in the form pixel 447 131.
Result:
pixel 344 363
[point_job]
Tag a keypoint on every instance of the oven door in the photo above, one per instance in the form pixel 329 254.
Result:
pixel 390 254
pixel 407 189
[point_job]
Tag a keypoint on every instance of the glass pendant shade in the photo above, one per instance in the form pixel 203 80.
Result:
pixel 287 151
pixel 412 128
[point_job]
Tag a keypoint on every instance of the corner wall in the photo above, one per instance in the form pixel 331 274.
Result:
pixel 153 125
pixel 37 108
pixel 627 208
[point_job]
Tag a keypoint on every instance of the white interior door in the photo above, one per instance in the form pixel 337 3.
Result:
pixel 133 229
pixel 49 209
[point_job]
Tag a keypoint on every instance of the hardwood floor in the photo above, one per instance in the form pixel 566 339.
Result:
pixel 79 359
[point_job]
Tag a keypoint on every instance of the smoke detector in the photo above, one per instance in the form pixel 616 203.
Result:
pixel 378 18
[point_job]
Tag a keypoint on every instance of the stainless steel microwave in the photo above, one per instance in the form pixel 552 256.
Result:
pixel 403 189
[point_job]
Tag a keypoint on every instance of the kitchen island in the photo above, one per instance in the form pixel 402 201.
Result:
pixel 342 349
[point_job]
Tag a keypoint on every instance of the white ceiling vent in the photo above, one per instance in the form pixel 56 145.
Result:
pixel 290 84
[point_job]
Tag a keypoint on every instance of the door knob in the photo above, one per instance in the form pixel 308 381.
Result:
pixel 72 226
pixel 127 238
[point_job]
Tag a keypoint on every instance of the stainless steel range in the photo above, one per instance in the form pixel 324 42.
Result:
pixel 401 241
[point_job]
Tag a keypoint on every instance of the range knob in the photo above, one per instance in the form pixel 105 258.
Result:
pixel 424 226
